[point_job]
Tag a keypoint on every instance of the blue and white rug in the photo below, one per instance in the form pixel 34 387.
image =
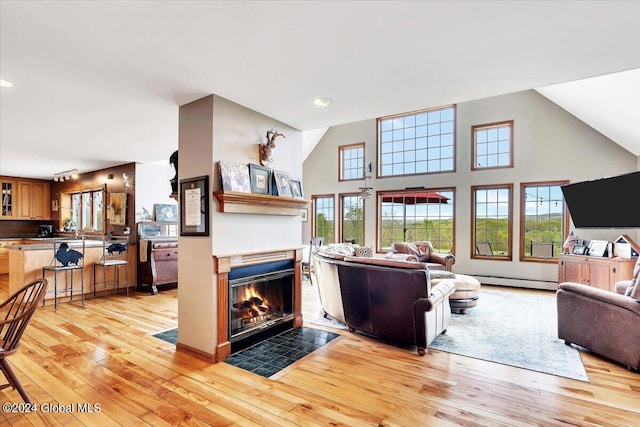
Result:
pixel 513 329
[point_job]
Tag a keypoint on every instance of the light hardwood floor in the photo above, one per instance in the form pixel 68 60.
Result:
pixel 105 355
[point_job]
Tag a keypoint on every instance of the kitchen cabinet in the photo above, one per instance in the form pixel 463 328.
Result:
pixel 7 198
pixel 598 272
pixel 33 200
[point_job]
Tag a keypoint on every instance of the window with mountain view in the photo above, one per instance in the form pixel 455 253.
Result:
pixel 352 218
pixel 543 220
pixel 409 216
pixel 492 224
pixel 324 218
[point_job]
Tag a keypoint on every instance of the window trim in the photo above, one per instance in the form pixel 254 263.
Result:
pixel 565 220
pixel 314 197
pixel 474 151
pixel 341 149
pixel 379 150
pixel 472 245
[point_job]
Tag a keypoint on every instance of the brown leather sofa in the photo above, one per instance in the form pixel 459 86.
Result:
pixel 607 323
pixel 389 299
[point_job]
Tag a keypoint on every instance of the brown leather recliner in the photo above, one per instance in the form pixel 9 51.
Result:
pixel 602 321
pixel 423 252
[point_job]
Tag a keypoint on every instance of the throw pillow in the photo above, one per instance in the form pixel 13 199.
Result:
pixel 364 251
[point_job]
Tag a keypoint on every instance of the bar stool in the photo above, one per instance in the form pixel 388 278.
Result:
pixel 68 256
pixel 114 254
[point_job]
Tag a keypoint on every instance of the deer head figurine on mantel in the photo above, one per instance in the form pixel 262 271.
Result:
pixel 266 148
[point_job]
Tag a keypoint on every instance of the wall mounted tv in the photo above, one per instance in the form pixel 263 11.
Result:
pixel 604 203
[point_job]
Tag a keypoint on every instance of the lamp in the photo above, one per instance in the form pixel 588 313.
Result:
pixel 65 175
pixel 365 192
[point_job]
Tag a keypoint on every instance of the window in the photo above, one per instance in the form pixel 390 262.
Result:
pixel 492 213
pixel 324 218
pixel 416 143
pixel 543 220
pixel 351 161
pixel 352 218
pixel 409 216
pixel 493 146
pixel 87 211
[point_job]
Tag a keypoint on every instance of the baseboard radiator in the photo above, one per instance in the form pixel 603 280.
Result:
pixel 517 282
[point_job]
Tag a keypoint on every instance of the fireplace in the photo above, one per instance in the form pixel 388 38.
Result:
pixel 258 296
pixel 260 302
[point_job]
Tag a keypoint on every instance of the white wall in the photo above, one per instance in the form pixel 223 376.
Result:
pixel 550 144
pixel 153 186
pixel 213 129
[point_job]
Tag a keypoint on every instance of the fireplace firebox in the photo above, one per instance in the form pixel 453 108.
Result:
pixel 260 302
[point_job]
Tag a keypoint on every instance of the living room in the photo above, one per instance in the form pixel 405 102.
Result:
pixel 107 355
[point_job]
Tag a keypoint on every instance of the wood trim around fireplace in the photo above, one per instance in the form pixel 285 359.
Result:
pixel 223 265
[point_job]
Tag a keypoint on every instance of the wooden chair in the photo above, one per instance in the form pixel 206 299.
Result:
pixel 15 314
pixel 313 246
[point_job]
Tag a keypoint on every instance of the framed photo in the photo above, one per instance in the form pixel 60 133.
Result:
pixel 165 212
pixel 598 247
pixel 260 178
pixel 194 206
pixel 296 188
pixel 283 186
pixel 579 250
pixel 234 177
pixel 305 215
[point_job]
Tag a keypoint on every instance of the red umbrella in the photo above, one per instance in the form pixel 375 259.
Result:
pixel 413 198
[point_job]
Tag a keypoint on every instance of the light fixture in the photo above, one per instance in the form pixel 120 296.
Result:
pixel 65 175
pixel 322 101
pixel 365 192
pixel 5 83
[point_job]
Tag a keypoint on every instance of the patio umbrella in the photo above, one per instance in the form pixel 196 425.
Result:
pixel 413 198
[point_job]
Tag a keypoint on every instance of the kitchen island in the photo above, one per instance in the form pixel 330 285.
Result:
pixel 27 259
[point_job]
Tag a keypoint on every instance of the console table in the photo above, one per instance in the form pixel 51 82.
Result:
pixel 598 272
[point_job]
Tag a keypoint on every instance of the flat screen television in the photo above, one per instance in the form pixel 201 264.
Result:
pixel 605 203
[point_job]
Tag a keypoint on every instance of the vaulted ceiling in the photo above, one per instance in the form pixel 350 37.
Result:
pixel 99 83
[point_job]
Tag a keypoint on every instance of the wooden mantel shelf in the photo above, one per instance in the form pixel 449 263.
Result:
pixel 260 204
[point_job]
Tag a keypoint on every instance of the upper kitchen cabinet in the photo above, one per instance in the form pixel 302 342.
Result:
pixel 8 198
pixel 33 200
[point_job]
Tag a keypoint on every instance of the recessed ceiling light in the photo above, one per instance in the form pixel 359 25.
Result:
pixel 322 101
pixel 5 83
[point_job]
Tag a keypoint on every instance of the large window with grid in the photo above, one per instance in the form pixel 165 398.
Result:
pixel 543 220
pixel 409 216
pixel 324 217
pixel 351 161
pixel 492 224
pixel 416 143
pixel 352 218
pixel 493 145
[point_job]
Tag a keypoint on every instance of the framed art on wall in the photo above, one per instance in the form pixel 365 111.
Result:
pixel 194 206
pixel 260 178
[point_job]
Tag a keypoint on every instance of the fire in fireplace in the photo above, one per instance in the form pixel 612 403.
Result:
pixel 260 302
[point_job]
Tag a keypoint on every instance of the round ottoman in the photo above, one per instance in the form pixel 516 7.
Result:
pixel 466 294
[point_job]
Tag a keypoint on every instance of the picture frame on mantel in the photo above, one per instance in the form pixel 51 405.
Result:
pixel 194 206
pixel 260 177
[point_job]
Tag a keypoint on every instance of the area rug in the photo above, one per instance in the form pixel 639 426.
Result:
pixel 514 329
pixel 170 335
